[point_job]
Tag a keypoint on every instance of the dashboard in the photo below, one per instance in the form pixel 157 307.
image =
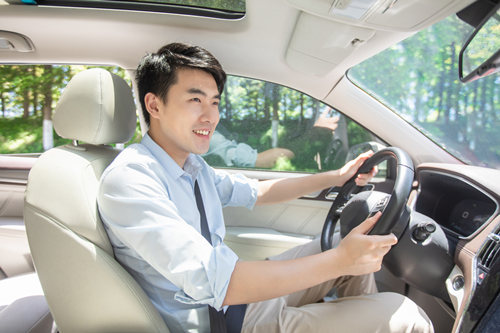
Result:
pixel 460 207
pixel 464 202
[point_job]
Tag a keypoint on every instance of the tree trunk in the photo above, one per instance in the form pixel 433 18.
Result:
pixel 48 138
pixel 26 71
pixel 494 92
pixel 301 119
pixel 315 111
pixel 275 122
pixel 35 102
pixel 268 87
pixel 440 94
pixel 2 99
pixel 284 108
pixel 449 88
pixel 482 100
pixel 418 98
pixel 26 103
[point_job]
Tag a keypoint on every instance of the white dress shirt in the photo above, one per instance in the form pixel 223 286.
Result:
pixel 148 207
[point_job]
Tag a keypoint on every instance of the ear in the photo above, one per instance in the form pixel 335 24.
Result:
pixel 152 103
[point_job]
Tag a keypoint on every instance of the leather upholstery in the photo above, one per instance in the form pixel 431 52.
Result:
pixel 97 107
pixel 22 305
pixel 86 288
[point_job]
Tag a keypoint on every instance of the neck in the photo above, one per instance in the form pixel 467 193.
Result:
pixel 161 141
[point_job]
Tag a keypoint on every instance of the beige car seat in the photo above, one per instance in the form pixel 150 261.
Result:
pixel 86 288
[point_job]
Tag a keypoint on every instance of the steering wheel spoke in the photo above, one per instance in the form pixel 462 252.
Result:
pixel 339 210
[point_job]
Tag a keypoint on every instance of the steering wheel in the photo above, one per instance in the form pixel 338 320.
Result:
pixel 352 208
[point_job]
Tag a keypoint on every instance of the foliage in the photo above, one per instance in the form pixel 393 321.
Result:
pixel 28 94
pixel 418 78
pixel 231 5
pixel 284 164
pixel 23 135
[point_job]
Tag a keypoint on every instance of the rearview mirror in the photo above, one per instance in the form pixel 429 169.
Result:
pixel 480 55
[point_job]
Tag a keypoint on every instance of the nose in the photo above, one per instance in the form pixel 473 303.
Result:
pixel 210 114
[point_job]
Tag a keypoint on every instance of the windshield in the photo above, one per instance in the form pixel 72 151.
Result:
pixel 418 79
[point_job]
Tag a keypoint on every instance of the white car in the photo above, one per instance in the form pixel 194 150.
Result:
pixel 312 83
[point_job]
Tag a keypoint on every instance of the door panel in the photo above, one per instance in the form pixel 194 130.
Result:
pixel 269 230
pixel 15 255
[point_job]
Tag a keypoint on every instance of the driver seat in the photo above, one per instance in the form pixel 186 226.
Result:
pixel 86 288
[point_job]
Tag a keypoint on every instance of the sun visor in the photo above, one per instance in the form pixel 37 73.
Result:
pixel 319 45
pixel 392 15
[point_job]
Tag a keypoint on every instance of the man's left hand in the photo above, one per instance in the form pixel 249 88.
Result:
pixel 351 167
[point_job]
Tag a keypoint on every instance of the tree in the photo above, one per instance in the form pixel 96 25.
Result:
pixel 46 88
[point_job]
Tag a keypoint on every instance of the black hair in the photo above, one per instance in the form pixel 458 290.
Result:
pixel 157 72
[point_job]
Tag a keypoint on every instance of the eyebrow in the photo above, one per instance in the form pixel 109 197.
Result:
pixel 201 92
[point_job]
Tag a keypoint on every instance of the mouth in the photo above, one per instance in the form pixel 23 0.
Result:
pixel 203 132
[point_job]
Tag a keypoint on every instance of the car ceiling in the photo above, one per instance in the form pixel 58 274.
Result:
pixel 292 42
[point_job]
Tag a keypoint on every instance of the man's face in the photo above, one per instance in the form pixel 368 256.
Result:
pixel 186 122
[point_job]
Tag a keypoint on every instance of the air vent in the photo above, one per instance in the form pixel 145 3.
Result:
pixel 490 251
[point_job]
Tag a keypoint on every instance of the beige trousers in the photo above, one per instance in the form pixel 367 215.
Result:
pixel 358 308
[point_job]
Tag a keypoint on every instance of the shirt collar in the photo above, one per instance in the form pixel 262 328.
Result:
pixel 192 166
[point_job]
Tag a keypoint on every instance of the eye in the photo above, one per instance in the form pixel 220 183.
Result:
pixel 216 103
pixel 196 99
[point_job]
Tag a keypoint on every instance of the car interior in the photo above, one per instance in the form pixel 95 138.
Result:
pixel 57 269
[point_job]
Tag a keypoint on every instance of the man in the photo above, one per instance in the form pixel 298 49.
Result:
pixel 159 197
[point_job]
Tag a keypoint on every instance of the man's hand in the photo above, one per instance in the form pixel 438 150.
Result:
pixel 350 168
pixel 359 253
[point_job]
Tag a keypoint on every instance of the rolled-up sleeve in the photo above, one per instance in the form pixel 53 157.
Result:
pixel 141 215
pixel 235 189
pixel 243 155
pixel 233 153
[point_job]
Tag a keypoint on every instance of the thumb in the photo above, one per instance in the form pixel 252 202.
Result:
pixel 368 224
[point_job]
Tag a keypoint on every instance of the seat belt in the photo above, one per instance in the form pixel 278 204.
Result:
pixel 232 320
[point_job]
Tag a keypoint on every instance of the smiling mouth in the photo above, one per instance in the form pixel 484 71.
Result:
pixel 202 132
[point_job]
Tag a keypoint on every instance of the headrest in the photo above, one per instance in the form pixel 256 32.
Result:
pixel 96 107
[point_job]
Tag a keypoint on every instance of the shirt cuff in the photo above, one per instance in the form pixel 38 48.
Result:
pixel 218 273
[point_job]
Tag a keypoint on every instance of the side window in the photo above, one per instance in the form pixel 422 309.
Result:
pixel 268 126
pixel 28 96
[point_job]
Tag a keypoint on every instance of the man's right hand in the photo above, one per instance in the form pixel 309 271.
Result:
pixel 359 253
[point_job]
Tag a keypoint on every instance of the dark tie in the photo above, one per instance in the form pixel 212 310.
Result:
pixel 232 321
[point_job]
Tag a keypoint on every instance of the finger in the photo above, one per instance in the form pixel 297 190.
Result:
pixel 358 161
pixel 368 224
pixel 385 240
pixel 368 153
pixel 361 181
pixel 372 172
pixel 362 158
pixel 385 250
pixel 364 178
pixel 388 240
